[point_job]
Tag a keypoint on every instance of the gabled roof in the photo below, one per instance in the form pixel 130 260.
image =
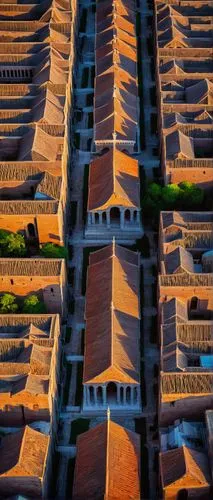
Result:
pixel 115 118
pixel 37 145
pixel 112 316
pixel 185 467
pixel 179 145
pixel 174 310
pixel 115 79
pixel 107 464
pixel 23 453
pixel 200 93
pixel 113 180
pixel 179 258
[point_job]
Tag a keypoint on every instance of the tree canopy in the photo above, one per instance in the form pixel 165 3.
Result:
pixel 171 197
pixel 51 250
pixel 32 305
pixel 12 244
pixel 8 304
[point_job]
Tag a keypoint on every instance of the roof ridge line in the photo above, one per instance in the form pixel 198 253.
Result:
pixel 112 300
pixel 107 461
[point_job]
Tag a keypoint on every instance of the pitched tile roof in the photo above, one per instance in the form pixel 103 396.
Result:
pixel 184 467
pixel 112 316
pixel 107 464
pixel 23 453
pixel 113 180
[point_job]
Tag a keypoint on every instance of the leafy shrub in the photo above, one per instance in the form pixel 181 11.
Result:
pixel 32 305
pixel 171 197
pixel 53 251
pixel 12 244
pixel 8 304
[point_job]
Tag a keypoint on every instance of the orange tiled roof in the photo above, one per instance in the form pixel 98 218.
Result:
pixel 112 316
pixel 23 453
pixel 185 467
pixel 107 464
pixel 113 180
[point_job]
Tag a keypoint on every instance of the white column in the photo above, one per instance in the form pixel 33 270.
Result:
pixel 85 395
pixel 95 394
pixel 93 218
pixel 122 219
pixel 118 394
pixel 124 395
pixel 132 396
pixel 131 216
pixel 104 395
pixel 88 395
pixel 89 218
pixel 138 217
pixel 108 219
pixel 100 217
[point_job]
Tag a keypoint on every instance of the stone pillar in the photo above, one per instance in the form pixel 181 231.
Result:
pixel 100 217
pixel 118 394
pixel 104 395
pixel 138 217
pixel 85 395
pixel 131 216
pixel 121 219
pixel 108 219
pixel 88 395
pixel 93 218
pixel 124 395
pixel 95 394
pixel 132 396
pixel 137 395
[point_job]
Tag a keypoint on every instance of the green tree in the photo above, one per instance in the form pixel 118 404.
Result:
pixel 12 244
pixel 171 194
pixel 154 190
pixel 53 251
pixel 8 304
pixel 191 194
pixel 32 305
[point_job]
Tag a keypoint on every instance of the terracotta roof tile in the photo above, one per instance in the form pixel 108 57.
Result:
pixel 113 180
pixel 113 343
pixel 184 466
pixel 107 464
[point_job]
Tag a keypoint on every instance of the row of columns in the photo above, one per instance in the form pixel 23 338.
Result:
pixel 16 73
pixel 97 395
pixel 92 218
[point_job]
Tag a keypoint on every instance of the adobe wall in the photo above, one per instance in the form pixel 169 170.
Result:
pixel 17 415
pixel 186 292
pixel 200 176
pixel 171 493
pixel 48 287
pixel 49 226
pixel 187 407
